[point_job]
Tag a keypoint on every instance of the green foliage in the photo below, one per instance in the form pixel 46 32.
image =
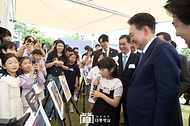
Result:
pixel 76 36
pixel 22 30
pixel 185 52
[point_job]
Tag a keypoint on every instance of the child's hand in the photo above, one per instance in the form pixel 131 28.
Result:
pixel 31 70
pixel 95 94
pixel 96 82
pixel 38 67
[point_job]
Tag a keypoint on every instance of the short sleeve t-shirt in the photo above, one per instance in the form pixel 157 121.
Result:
pixel 113 84
pixel 56 70
pixel 71 75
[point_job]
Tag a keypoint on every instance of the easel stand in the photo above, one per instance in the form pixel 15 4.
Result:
pixel 75 107
pixel 67 111
pixel 82 89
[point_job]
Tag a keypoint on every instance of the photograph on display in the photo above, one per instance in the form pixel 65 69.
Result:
pixel 65 87
pixel 56 97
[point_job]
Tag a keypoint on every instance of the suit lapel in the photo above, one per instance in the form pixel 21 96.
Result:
pixel 146 55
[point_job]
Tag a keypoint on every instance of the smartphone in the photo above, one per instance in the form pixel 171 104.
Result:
pixel 34 63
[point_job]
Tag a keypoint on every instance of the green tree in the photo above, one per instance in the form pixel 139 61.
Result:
pixel 185 52
pixel 22 30
pixel 76 36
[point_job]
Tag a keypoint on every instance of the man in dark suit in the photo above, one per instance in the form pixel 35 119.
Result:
pixel 103 40
pixel 133 48
pixel 152 98
pixel 127 63
pixel 184 75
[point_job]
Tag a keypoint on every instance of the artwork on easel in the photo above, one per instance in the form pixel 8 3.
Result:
pixel 32 100
pixel 83 78
pixel 65 87
pixel 37 119
pixel 56 97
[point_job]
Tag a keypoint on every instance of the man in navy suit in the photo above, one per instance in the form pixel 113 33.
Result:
pixel 110 52
pixel 184 75
pixel 152 98
pixel 127 61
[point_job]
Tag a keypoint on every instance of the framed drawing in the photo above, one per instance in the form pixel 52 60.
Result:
pixel 37 119
pixel 56 97
pixel 65 87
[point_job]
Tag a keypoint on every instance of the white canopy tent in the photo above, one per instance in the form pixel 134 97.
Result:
pixel 92 16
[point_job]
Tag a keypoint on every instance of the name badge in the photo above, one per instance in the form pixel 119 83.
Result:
pixel 131 66
pixel 71 69
pixel 106 90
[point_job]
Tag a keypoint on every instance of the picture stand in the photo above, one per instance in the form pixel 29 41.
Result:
pixel 57 109
pixel 67 111
pixel 67 95
pixel 82 89
pixel 75 107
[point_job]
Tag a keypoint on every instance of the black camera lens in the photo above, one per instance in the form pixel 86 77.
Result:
pixel 29 40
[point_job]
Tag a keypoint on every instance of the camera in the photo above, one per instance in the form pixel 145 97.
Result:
pixel 29 40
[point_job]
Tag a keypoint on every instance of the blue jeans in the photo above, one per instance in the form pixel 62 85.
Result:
pixel 49 104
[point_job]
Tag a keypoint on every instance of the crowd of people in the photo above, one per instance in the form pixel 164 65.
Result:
pixel 145 78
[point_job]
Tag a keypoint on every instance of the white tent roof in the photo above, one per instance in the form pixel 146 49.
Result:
pixel 64 14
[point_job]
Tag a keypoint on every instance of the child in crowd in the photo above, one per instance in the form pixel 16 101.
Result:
pixel 10 100
pixel 87 65
pixel 87 59
pixel 37 58
pixel 7 47
pixel 31 77
pixel 56 65
pixel 72 76
pixel 93 75
pixel 109 94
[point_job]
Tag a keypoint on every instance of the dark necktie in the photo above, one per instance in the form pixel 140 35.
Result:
pixel 105 50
